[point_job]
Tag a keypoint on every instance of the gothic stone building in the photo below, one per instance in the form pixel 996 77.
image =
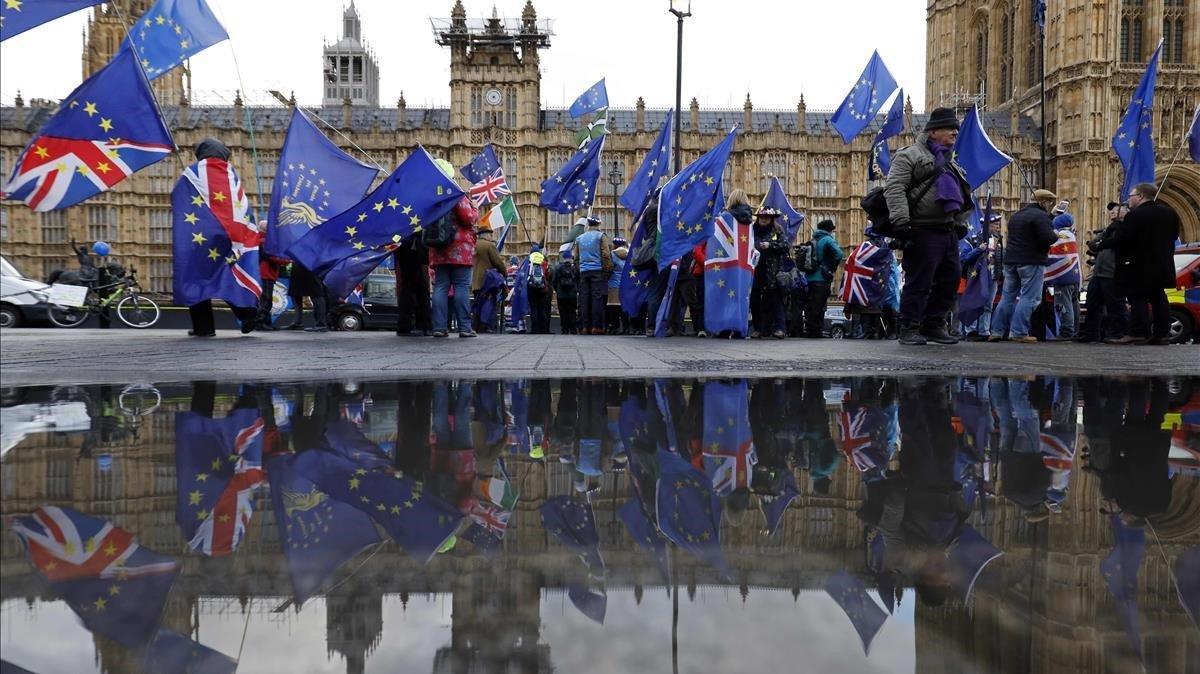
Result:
pixel 495 95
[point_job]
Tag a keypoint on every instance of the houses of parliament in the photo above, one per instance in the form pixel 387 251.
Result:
pixel 983 52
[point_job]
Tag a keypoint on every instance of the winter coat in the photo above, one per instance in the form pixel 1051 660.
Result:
pixel 566 291
pixel 486 257
pixel 1030 236
pixel 618 260
pixel 1106 259
pixel 828 256
pixel 911 167
pixel 460 253
pixel 770 258
pixel 1145 247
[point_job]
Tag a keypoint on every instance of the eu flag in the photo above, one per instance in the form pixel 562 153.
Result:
pixel 689 511
pixel 636 283
pixel 592 601
pixel 729 275
pixel 218 468
pixel 978 156
pixel 893 125
pixel 117 587
pixel 317 533
pixel 666 308
pixel 1120 570
pixel 689 203
pixel 595 98
pixel 315 180
pixel 216 245
pixel 174 653
pixel 656 164
pixel 171 32
pixel 981 288
pixel 1193 137
pixel 102 133
pixel 729 455
pixel 519 297
pixel 415 194
pixel 574 186
pixel 645 534
pixel 789 217
pixel 482 165
pixel 851 595
pixel 775 507
pixel 966 558
pixel 570 520
pixel 1039 15
pixel 18 17
pixel 1134 140
pixel 866 97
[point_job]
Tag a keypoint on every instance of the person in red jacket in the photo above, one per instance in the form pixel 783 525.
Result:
pixel 691 289
pixel 452 266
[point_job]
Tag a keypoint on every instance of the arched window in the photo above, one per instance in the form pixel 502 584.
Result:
pixel 1131 31
pixel 981 55
pixel 1006 55
pixel 1174 19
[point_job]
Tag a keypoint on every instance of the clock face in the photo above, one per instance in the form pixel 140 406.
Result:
pixel 493 97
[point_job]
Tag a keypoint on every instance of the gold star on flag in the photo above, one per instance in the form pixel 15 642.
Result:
pixel 191 218
pixel 90 108
pixel 41 151
pixel 106 124
pixel 414 220
pixel 353 483
pixel 216 464
pixel 110 550
pixel 358 245
pixel 159 20
pixel 395 510
pixel 393 204
pixel 351 231
pixel 378 207
pixel 198 239
pixel 103 167
pixel 100 603
pixel 197 200
pixel 178 30
pixel 223 518
pixel 362 216
pixel 202 477
pixel 406 210
pixel 708 181
pixel 218 196
pixel 183 44
pixel 213 254
pixel 194 498
pixel 113 590
pixel 82 170
pixel 202 514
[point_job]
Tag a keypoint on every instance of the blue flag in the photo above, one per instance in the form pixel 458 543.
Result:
pixel 978 156
pixel 482 165
pixel 1120 570
pixel 574 186
pixel 636 283
pixel 317 533
pixel 966 558
pixel 690 202
pixel 728 443
pixel 117 587
pixel 591 601
pixel 1039 15
pixel 1193 137
pixel 218 469
pixel 656 165
pixel 1134 140
pixel 315 181
pixel 171 32
pixel 893 125
pixel 215 242
pixel 875 556
pixel 774 509
pixel 851 595
pixel 417 193
pixel 729 264
pixel 865 99
pixel 570 520
pixel 18 17
pixel 173 653
pixel 646 535
pixel 689 511
pixel 518 300
pixel 102 133
pixel 790 218
pixel 664 317
pixel 981 288
pixel 595 98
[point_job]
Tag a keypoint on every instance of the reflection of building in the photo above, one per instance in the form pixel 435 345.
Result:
pixel 495 95
pixel 354 624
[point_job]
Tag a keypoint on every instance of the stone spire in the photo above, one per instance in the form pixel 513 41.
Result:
pixel 641 115
pixel 747 115
pixel 802 116
pixel 458 17
pixel 402 112
pixel 695 115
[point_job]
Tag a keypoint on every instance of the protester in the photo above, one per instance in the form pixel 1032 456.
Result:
pixel 690 290
pixel 729 275
pixel 413 313
pixel 593 261
pixel 827 255
pixel 1107 316
pixel 615 318
pixel 452 267
pixel 565 280
pixel 981 328
pixel 766 295
pixel 928 200
pixel 1145 246
pixel 1066 284
pixel 538 287
pixel 268 268
pixel 487 257
pixel 1026 251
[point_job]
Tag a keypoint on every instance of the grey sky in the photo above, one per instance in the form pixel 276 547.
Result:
pixel 773 49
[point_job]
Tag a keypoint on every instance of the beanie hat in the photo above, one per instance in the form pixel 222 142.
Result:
pixel 1064 221
pixel 826 226
pixel 941 118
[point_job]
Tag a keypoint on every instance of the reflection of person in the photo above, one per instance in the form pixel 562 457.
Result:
pixel 1135 480
pixel 1026 478
pixel 452 458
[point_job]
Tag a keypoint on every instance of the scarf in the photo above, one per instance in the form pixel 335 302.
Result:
pixel 946 187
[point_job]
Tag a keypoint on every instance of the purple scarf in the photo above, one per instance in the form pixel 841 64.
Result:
pixel 947 189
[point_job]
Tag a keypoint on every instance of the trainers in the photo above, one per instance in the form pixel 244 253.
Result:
pixel 1024 339
pixel 702 334
pixel 438 334
pixel 467 335
pixel 778 334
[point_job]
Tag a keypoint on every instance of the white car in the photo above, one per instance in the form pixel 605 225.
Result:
pixel 22 299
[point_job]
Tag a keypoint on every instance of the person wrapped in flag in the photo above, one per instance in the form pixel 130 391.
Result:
pixel 864 285
pixel 729 264
pixel 216 242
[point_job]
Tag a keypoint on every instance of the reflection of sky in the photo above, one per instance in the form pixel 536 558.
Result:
pixel 718 633
pixel 47 638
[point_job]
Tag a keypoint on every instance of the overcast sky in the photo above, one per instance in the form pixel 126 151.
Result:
pixel 772 49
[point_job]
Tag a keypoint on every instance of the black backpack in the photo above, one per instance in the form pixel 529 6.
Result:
pixel 440 234
pixel 806 257
pixel 875 205
pixel 566 280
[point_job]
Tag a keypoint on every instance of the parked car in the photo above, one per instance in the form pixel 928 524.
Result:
pixel 837 325
pixel 378 310
pixel 1185 299
pixel 22 299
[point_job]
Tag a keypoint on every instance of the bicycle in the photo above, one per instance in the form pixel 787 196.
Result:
pixel 133 308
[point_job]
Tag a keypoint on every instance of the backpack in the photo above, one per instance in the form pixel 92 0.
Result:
pixel 806 257
pixel 875 205
pixel 566 280
pixel 440 234
pixel 537 277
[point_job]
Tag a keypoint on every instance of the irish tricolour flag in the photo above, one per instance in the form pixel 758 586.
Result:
pixel 502 216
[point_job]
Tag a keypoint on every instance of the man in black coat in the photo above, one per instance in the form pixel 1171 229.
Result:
pixel 1145 247
pixel 1026 250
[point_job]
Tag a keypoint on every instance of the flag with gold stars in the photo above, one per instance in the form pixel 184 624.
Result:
pixel 689 511
pixel 317 533
pixel 573 187
pixel 872 89
pixel 18 16
pixel 690 202
pixel 1120 570
pixel 654 168
pixel 172 31
pixel 339 250
pixel 1134 141
pixel 173 652
pixel 315 181
pixel 218 469
pixel 637 282
pixel 729 455
pixel 569 519
pixel 117 587
pixel 354 471
pixel 103 132
pixel 729 275
pixel 865 615
pixel 216 246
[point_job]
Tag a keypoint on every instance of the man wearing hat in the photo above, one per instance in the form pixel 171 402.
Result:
pixel 1107 316
pixel 766 294
pixel 593 261
pixel 928 199
pixel 1026 252
pixel 827 255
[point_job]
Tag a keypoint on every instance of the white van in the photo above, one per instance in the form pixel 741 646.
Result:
pixel 22 300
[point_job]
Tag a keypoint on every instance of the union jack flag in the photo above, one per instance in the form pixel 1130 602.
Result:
pixel 1063 265
pixel 856 438
pixel 103 132
pixel 490 516
pixel 64 544
pixel 1057 455
pixel 491 189
pixel 862 283
pixel 730 259
pixel 221 188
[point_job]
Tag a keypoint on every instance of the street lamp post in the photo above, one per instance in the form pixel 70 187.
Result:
pixel 680 15
pixel 615 177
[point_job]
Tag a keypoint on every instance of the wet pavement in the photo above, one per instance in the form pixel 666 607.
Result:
pixel 854 524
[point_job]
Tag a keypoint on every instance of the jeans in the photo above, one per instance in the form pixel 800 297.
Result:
pixel 982 325
pixel 1066 306
pixel 1141 305
pixel 460 277
pixel 1021 295
pixel 931 273
pixel 593 290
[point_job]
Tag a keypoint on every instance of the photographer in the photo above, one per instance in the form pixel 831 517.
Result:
pixel 1107 316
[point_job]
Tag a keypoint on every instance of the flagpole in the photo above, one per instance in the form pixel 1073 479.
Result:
pixel 1042 48
pixel 680 15
pixel 1178 151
